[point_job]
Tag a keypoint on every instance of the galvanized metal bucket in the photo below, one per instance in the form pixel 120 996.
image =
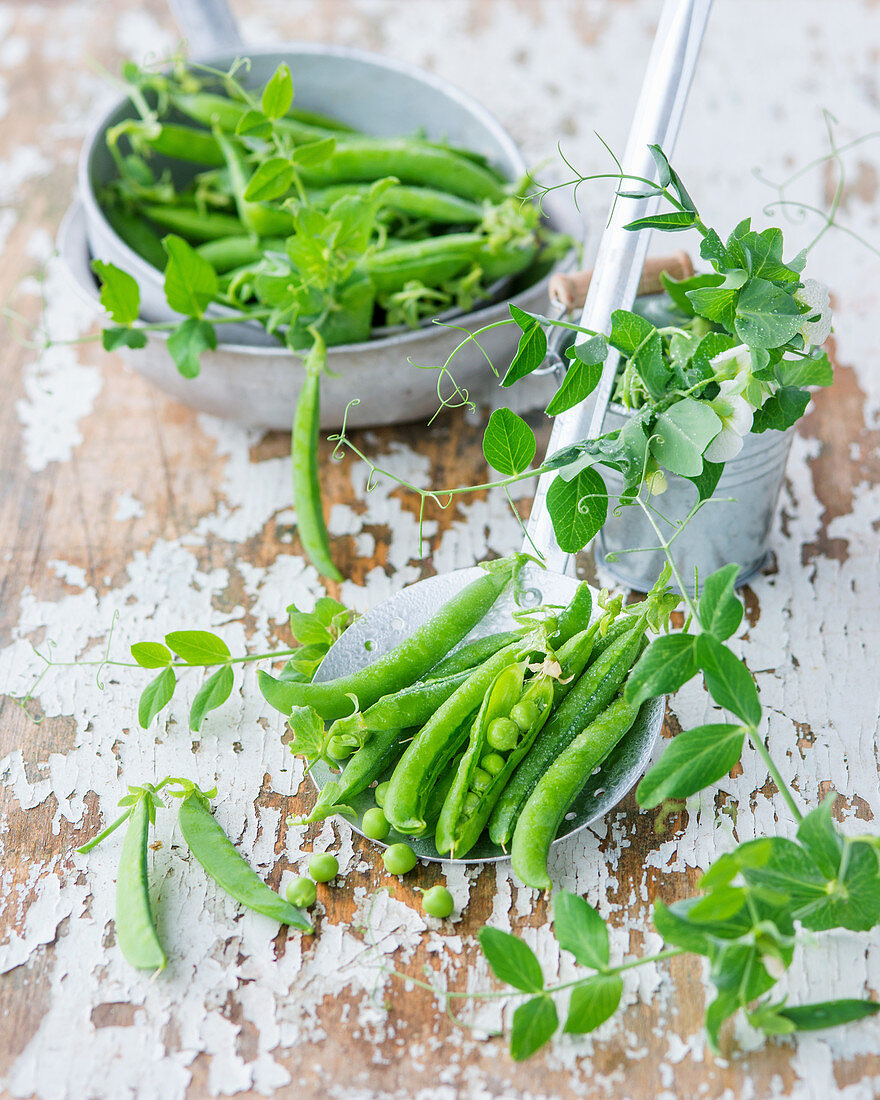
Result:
pixel 734 526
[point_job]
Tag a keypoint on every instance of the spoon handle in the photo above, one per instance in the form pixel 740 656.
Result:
pixel 622 254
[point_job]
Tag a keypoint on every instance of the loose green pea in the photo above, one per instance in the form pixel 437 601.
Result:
pixel 399 859
pixel 480 780
pixel 379 793
pixel 302 893
pixel 492 763
pixel 375 824
pixel 323 867
pixel 502 734
pixel 525 713
pixel 437 902
pixel 338 749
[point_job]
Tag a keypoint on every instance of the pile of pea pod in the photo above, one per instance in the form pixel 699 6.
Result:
pixel 499 735
pixel 445 225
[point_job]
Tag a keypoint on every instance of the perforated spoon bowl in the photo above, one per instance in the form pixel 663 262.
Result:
pixel 619 263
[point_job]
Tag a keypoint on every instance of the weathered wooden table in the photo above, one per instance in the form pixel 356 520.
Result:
pixel 122 512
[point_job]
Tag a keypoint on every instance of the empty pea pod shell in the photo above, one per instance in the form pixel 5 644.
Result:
pixel 219 857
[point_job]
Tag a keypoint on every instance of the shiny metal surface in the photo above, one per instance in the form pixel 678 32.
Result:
pixel 733 527
pixel 621 255
pixel 258 386
pixel 392 621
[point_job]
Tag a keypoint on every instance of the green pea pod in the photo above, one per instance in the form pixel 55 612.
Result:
pixel 192 223
pixel 138 235
pixel 412 706
pixel 219 857
pixel 437 798
pixel 411 161
pixel 310 523
pixel 364 765
pixel 461 824
pixel 561 783
pixel 434 206
pixel 183 143
pixel 430 751
pixel 431 261
pixel 135 926
pixel 575 617
pixel 586 699
pixel 407 661
pixel 573 657
pixel 468 656
pixel 229 253
pixel 217 110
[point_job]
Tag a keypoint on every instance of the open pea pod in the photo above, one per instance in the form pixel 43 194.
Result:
pixel 510 718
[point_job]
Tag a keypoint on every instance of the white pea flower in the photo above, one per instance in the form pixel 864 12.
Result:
pixel 815 295
pixel 736 415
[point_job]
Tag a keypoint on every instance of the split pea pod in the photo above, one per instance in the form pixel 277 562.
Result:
pixel 564 779
pixel 404 664
pixel 586 699
pixel 221 860
pixel 135 926
pixel 437 742
pixel 411 161
pixel 508 722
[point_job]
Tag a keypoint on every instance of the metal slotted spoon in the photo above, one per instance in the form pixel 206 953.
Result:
pixel 619 262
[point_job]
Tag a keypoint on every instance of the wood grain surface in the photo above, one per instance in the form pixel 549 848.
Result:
pixel 123 515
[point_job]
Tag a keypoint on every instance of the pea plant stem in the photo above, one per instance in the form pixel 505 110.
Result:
pixel 756 740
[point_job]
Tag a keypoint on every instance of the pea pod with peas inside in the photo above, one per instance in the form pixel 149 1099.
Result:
pixel 586 699
pixel 509 719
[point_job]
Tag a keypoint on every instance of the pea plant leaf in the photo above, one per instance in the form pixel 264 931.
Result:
pixel 254 123
pixel 578 508
pixel 511 960
pixel 190 281
pixel 156 695
pixel 533 1025
pixel 674 926
pixel 187 342
pixel 113 338
pixel 650 364
pixel 590 352
pixel 212 694
pixel 828 1013
pixel 766 316
pixel 628 330
pixel 815 371
pixel 720 610
pixel 120 295
pixel 309 736
pixel 681 434
pixel 816 832
pixel 579 382
pixel 781 410
pixel 278 93
pixel 674 222
pixel 314 152
pixel 706 482
pixel 151 654
pixel 198 647
pixel 531 350
pixel 677 289
pixel 728 680
pixel 694 759
pixel 578 928
pixel 271 180
pixel 508 443
pixel 593 1002
pixel 716 304
pixel 663 668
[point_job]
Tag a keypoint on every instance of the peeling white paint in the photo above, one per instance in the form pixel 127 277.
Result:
pixel 817 626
